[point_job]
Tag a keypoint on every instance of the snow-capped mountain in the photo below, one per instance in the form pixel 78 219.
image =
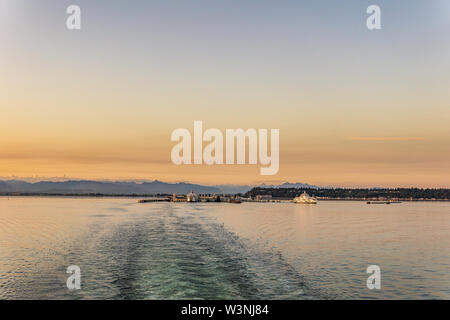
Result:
pixel 297 185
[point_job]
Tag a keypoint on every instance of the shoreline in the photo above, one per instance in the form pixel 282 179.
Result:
pixel 159 196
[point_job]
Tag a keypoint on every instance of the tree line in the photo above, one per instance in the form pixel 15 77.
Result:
pixel 350 193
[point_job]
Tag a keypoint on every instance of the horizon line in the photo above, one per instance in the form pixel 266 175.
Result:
pixel 140 181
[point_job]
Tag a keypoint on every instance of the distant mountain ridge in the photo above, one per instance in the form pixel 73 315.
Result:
pixel 75 186
pixel 102 187
pixel 288 185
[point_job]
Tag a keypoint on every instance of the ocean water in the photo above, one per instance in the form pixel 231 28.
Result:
pixel 127 250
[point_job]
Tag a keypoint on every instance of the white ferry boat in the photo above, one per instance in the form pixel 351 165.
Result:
pixel 305 198
pixel 192 197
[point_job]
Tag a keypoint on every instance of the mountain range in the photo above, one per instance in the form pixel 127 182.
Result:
pixel 126 188
pixel 297 185
pixel 102 187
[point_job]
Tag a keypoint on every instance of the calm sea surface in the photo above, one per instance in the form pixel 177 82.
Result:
pixel 128 250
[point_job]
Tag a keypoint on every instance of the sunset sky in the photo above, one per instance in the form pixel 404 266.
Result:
pixel 354 107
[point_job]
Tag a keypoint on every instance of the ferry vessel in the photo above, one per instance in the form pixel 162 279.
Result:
pixel 305 198
pixel 192 197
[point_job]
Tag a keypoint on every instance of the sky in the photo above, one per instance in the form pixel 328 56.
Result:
pixel 355 107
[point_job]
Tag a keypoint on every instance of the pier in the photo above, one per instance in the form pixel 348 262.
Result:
pixel 154 200
pixel 213 198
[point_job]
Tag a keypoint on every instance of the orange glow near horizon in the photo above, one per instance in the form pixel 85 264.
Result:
pixel 354 107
